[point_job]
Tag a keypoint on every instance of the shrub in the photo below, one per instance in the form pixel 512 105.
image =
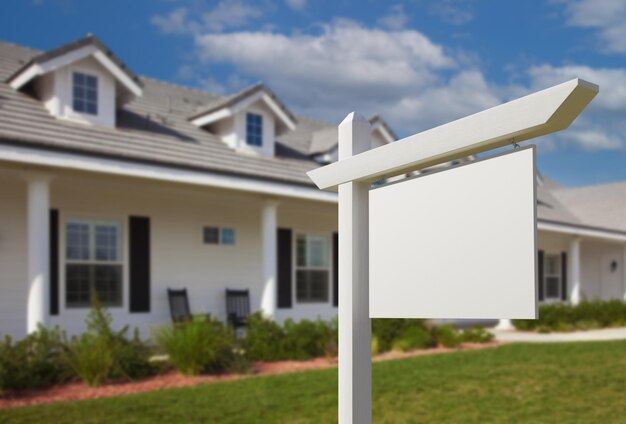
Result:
pixel 32 362
pixel 413 338
pixel 388 330
pixel 264 339
pixel 448 336
pixel 101 354
pixel 585 315
pixel 305 339
pixel 476 335
pixel 197 346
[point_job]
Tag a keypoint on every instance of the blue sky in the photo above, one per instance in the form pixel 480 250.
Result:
pixel 418 63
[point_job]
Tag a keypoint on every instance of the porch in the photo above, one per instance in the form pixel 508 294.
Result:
pixel 63 234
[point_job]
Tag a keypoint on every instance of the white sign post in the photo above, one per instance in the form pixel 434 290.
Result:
pixel 537 114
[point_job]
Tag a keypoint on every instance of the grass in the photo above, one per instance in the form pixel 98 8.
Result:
pixel 552 383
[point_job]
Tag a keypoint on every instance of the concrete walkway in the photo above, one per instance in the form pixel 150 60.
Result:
pixel 577 336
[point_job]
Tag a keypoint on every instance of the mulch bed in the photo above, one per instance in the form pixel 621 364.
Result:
pixel 79 391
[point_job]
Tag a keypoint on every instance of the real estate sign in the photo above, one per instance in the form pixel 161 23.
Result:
pixel 459 243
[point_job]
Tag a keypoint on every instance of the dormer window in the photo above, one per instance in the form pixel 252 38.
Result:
pixel 254 129
pixel 85 93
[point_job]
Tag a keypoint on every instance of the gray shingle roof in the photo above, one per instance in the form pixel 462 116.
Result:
pixel 602 206
pixel 153 128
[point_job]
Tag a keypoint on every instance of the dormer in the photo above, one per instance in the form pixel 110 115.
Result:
pixel 248 121
pixel 81 81
pixel 324 142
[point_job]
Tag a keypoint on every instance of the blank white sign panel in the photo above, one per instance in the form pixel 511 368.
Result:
pixel 459 243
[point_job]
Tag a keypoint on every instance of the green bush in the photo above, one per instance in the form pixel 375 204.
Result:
pixel 413 338
pixel 375 344
pixel 448 336
pixel 586 315
pixel 306 339
pixel 101 354
pixel 264 339
pixel 388 330
pixel 32 362
pixel 197 346
pixel 476 335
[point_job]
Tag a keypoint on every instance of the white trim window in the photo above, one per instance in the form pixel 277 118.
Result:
pixel 93 262
pixel 312 268
pixel 254 129
pixel 552 276
pixel 85 93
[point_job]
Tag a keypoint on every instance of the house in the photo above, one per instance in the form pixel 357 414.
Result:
pixel 129 186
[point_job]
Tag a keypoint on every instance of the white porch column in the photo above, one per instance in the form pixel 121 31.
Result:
pixel 268 237
pixel 573 281
pixel 355 361
pixel 38 306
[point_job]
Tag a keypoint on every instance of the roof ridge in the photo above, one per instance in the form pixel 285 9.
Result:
pixel 179 85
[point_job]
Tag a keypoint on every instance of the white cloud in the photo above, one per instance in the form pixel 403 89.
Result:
pixel 174 22
pixel 396 18
pixel 453 12
pixel 607 17
pixel 297 5
pixel 347 66
pixel 226 14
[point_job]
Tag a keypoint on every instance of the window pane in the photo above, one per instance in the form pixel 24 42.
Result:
pixel 312 286
pixel 552 287
pixel 107 242
pixel 106 280
pixel 317 252
pixel 77 244
pixel 211 235
pixel 79 105
pixel 91 82
pixel 91 108
pixel 228 236
pixel 77 288
pixel 254 129
pixel 553 264
pixel 79 78
pixel 301 250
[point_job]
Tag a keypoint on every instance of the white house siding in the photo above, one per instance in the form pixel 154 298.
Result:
pixel 179 258
pixel 599 280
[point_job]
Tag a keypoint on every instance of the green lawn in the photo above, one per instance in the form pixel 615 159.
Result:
pixel 558 383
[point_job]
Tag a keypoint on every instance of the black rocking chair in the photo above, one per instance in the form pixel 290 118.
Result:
pixel 179 305
pixel 237 307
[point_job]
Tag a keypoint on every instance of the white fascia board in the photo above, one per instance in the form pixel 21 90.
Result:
pixel 383 131
pixel 289 123
pixel 76 162
pixel 531 116
pixel 114 69
pixel 36 69
pixel 597 233
pixel 218 115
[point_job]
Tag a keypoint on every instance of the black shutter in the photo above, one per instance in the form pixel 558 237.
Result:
pixel 335 269
pixel 563 276
pixel 540 272
pixel 139 239
pixel 54 262
pixel 284 267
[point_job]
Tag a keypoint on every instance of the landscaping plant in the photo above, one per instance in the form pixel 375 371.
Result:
pixel 584 316
pixel 32 362
pixel 101 354
pixel 197 346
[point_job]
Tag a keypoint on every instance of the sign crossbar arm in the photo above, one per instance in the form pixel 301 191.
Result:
pixel 537 114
